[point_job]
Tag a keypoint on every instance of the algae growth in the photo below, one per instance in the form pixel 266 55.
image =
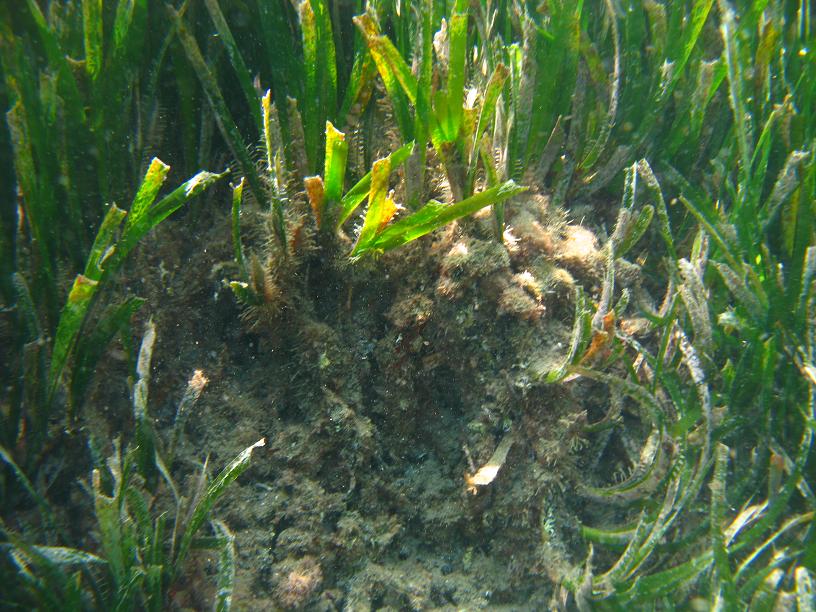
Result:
pixel 375 396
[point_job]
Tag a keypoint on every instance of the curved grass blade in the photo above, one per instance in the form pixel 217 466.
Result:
pixel 335 163
pixel 71 319
pixel 159 211
pixel 237 193
pixel 635 230
pixel 380 208
pixel 274 167
pixel 223 117
pixel 81 296
pixel 744 572
pixel 435 215
pixel 51 586
pixel 649 178
pixel 660 584
pixel 582 324
pixel 92 30
pixel 644 477
pixel 46 513
pixel 449 121
pixel 723 579
pixel 391 65
pixel 281 56
pixel 236 59
pixel 91 347
pixel 395 73
pixel 742 121
pixel 226 567
pixel 699 15
pixel 486 114
pixel 63 555
pixel 613 538
pixel 648 401
pixel 355 196
pixel 153 180
pixel 202 509
pixel 311 86
pixel 601 140
pixel 359 88
pixel 37 204
pixel 327 64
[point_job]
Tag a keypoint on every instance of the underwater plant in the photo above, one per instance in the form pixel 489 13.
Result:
pixel 69 125
pixel 727 384
pixel 79 340
pixel 145 539
pixel 71 164
pixel 683 475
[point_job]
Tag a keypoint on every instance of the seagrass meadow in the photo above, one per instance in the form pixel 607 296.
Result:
pixel 386 305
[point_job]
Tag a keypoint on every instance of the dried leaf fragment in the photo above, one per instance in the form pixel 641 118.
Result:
pixel 488 472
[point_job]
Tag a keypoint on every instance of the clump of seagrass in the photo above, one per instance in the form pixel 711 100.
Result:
pixel 306 227
pixel 147 527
